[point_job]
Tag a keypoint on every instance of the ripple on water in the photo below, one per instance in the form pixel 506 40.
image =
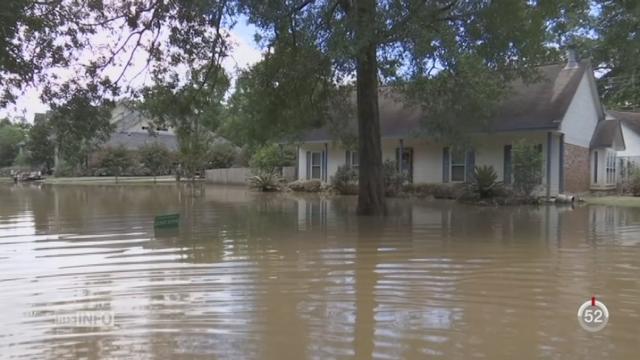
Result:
pixel 276 276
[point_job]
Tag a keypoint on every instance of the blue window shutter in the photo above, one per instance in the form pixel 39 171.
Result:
pixel 507 164
pixel 347 159
pixel 445 164
pixel 308 165
pixel 398 159
pixel 470 165
pixel 323 162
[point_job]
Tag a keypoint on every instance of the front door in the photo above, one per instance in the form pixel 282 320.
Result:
pixel 406 162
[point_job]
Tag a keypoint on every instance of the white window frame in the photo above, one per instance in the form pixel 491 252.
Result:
pixel 319 165
pixel 463 165
pixel 354 160
pixel 610 168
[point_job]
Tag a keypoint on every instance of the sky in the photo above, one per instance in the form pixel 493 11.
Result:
pixel 245 53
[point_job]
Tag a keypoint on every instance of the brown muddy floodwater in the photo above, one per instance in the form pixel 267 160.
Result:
pixel 275 276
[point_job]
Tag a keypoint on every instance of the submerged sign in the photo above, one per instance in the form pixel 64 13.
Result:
pixel 165 221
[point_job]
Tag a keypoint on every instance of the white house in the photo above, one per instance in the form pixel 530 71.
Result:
pixel 561 113
pixel 630 125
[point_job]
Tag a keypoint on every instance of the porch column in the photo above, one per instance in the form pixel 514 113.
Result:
pixel 561 164
pixel 548 159
pixel 326 161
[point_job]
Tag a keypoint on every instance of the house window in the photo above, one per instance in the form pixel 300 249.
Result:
pixel 353 160
pixel 611 168
pixel 316 165
pixel 457 165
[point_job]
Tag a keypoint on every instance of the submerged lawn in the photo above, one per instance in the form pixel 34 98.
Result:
pixel 629 201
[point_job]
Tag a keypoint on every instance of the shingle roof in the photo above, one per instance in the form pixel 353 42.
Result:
pixel 529 106
pixel 135 140
pixel 631 119
pixel 607 134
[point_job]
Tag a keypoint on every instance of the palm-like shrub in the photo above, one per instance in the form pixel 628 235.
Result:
pixel 485 181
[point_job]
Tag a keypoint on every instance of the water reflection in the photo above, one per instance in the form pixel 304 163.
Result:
pixel 250 275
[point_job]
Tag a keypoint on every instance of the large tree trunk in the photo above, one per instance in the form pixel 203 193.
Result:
pixel 371 188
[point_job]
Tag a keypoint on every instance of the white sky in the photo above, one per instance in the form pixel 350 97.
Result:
pixel 244 54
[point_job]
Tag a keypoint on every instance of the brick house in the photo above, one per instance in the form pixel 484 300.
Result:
pixel 561 113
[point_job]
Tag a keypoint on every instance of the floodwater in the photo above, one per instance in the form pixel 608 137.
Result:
pixel 276 276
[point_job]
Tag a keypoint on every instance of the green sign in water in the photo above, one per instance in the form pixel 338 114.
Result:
pixel 166 221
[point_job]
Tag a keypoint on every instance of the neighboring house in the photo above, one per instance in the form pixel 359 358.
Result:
pixel 133 130
pixel 630 124
pixel 561 114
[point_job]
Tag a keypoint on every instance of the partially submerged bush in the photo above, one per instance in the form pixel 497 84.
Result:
pixel 306 185
pixel 485 181
pixel 527 168
pixel 345 180
pixel 265 182
pixel 393 179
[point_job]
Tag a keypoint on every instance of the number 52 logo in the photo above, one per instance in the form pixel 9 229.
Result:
pixel 593 315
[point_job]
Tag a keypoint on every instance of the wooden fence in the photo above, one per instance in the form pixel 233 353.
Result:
pixel 239 176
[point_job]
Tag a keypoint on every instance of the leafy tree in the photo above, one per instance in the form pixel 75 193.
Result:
pixel 193 109
pixel 222 155
pixel 156 158
pixel 40 145
pixel 311 45
pixel 116 160
pixel 269 159
pixel 79 126
pixel 527 167
pixel 616 51
pixel 10 138
pixel 402 41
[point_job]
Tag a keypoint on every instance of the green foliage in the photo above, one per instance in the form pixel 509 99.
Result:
pixel 156 158
pixel 634 184
pixel 485 181
pixel 345 181
pixel 193 109
pixel 22 159
pixel 116 160
pixel 10 138
pixel 80 125
pixel 265 181
pixel 279 96
pixel 269 159
pixel 393 179
pixel 527 168
pixel 222 155
pixel 40 147
pixel 613 43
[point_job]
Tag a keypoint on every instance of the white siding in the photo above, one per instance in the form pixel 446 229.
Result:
pixel 427 156
pixel 582 116
pixel 632 142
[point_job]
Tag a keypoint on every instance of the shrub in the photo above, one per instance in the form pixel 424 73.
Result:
pixel 634 184
pixel 345 180
pixel 116 161
pixel 306 185
pixel 265 182
pixel 527 168
pixel 222 155
pixel 267 160
pixel 155 158
pixel 485 181
pixel 393 179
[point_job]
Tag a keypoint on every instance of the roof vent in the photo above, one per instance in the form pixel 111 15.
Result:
pixel 572 59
